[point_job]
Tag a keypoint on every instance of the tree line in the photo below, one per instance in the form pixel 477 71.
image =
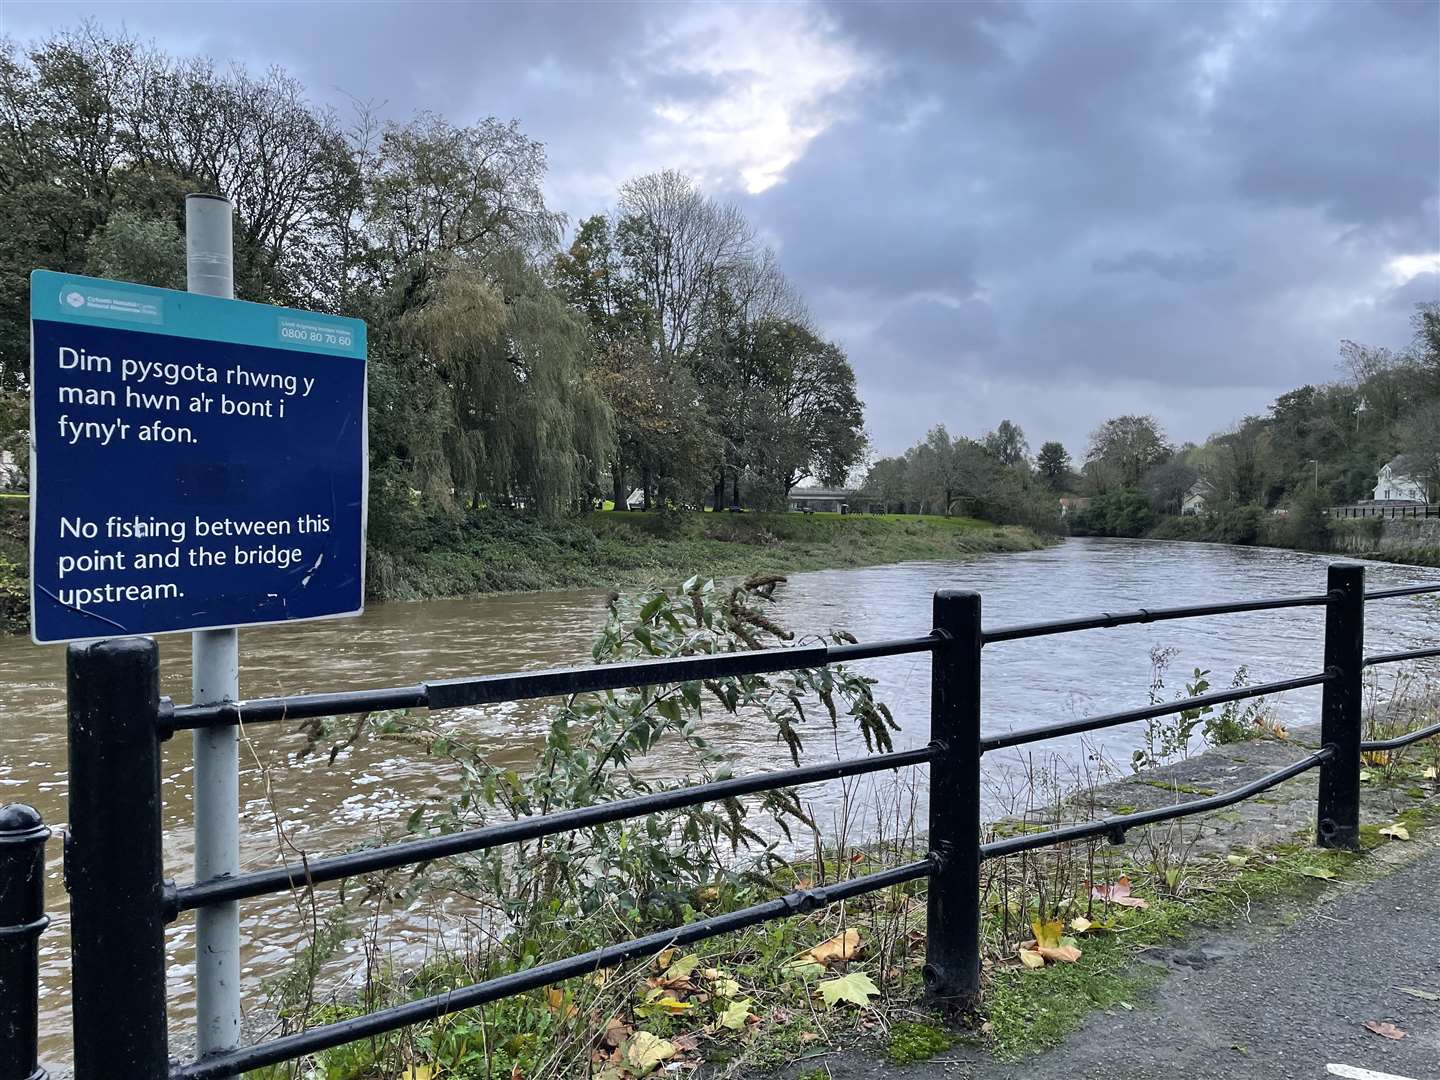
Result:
pixel 662 348
pixel 1314 447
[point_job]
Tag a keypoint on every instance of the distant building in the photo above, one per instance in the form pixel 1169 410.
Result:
pixel 1195 498
pixel 1072 504
pixel 822 500
pixel 1397 483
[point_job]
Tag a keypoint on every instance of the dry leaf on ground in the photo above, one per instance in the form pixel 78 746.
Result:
pixel 1396 832
pixel 1385 1028
pixel 842 946
pixel 1118 894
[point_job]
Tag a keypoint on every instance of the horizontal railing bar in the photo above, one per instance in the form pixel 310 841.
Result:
pixel 1147 712
pixel 1116 826
pixel 1401 741
pixel 1406 590
pixel 522 686
pixel 289 1047
pixel 869 650
pixel 337 867
pixel 297 707
pixel 1401 657
pixel 1148 615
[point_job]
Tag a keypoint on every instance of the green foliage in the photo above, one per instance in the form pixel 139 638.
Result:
pixel 911 1043
pixel 567 893
pixel 945 475
pixel 1053 465
pixel 1170 737
pixel 1120 511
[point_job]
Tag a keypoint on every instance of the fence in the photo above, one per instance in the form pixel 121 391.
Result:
pixel 1417 511
pixel 120 902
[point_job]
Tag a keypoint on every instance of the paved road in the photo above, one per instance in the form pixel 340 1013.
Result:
pixel 1284 1005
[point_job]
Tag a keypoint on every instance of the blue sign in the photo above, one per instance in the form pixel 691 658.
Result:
pixel 196 463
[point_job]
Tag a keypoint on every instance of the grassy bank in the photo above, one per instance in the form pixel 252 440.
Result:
pixel 489 551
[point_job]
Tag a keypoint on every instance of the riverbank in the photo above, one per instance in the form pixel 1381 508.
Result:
pixel 430 556
pixel 490 551
pixel 1404 541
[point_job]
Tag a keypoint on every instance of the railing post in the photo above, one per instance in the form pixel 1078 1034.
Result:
pixel 113 866
pixel 952 920
pixel 1338 813
pixel 22 920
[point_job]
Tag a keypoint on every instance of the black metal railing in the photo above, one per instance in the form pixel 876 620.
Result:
pixel 120 902
pixel 1419 510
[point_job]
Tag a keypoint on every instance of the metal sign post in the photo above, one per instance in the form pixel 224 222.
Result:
pixel 198 464
pixel 215 677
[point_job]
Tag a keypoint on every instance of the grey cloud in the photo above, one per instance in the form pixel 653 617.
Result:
pixel 1179 266
pixel 1050 211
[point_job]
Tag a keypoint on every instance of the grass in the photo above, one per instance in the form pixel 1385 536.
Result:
pixel 488 551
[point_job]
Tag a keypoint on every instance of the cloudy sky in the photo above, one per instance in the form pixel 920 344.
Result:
pixel 1052 212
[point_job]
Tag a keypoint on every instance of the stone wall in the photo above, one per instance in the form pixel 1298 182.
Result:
pixel 1402 539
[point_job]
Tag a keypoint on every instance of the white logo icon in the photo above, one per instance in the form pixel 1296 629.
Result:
pixel 75 298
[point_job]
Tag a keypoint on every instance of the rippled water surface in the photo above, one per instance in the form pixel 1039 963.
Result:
pixel 324 808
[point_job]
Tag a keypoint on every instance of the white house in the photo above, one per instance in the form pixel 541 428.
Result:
pixel 1194 501
pixel 1397 484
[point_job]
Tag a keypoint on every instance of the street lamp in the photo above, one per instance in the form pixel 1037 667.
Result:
pixel 1316 463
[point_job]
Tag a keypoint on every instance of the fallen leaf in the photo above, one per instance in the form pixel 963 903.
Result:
pixel 842 946
pixel 1080 924
pixel 646 1052
pixel 736 1014
pixel 418 1072
pixel 1423 995
pixel 659 1003
pixel 808 1036
pixel 856 988
pixel 1237 860
pixel 1316 872
pixel 1047 934
pixel 1366 776
pixel 1067 951
pixel 1396 832
pixel 1118 894
pixel 1385 1029
pixel 1430 773
pixel 1030 958
pixel 681 968
pixel 616 1032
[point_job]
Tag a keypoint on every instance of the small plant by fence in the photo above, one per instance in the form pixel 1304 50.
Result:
pixel 120 902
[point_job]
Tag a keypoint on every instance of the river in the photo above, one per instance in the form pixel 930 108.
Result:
pixel 324 808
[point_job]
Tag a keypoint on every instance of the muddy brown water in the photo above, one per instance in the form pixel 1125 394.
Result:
pixel 370 788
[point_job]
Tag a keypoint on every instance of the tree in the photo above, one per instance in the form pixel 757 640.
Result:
pixel 887 481
pixel 1007 442
pixel 681 247
pixel 1235 464
pixel 1123 449
pixel 1053 464
pixel 1167 484
pixel 808 417
pixel 1420 444
pixel 129 247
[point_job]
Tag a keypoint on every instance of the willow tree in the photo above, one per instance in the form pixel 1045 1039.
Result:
pixel 522 422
